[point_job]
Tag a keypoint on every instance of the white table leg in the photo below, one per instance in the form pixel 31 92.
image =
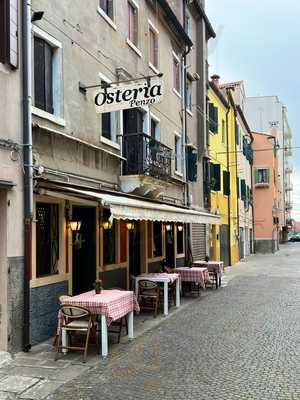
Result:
pixel 104 336
pixel 166 298
pixel 136 287
pixel 178 293
pixel 64 340
pixel 130 326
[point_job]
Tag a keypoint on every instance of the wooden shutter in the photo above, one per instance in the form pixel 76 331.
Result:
pixel 217 177
pixel 226 183
pixel 216 119
pixel 267 175
pixel 256 177
pixel 9 32
pixel 192 165
pixel 48 78
pixel 39 73
pixel 211 115
pixel 243 190
pixel 238 187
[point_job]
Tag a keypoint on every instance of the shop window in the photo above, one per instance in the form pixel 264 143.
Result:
pixel 47 239
pixel 108 7
pixel 109 245
pixel 180 239
pixel 157 239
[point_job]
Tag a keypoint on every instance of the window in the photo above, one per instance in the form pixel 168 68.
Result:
pixel 157 239
pixel 215 177
pixel 189 95
pixel 47 239
pixel 223 131
pixel 243 190
pixel 178 154
pixel 109 245
pixel 238 187
pixel 176 74
pixel 188 24
pixel 213 118
pixel 109 123
pixel 155 128
pixel 133 23
pixel 153 47
pixel 262 176
pixel 192 164
pixel 47 72
pixel 226 183
pixel 108 7
pixel 180 239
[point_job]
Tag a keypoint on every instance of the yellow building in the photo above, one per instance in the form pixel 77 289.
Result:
pixel 223 174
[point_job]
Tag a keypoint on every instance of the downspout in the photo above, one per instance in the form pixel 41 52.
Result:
pixel 28 168
pixel 237 200
pixel 228 202
pixel 188 228
pixel 252 200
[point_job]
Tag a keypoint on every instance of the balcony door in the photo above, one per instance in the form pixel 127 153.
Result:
pixel 134 121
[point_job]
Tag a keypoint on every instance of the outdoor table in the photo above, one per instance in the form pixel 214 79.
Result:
pixel 195 274
pixel 111 305
pixel 216 267
pixel 165 279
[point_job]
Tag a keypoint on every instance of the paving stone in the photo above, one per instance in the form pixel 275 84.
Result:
pixel 17 384
pixel 41 390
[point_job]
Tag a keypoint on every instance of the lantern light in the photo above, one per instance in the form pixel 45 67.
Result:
pixel 75 225
pixel 130 226
pixel 180 228
pixel 168 227
pixel 106 225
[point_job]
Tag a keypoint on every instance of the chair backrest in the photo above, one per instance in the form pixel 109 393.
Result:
pixel 74 312
pixel 63 298
pixel 146 285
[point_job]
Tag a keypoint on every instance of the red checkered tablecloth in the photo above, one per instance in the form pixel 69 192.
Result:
pixel 114 304
pixel 195 274
pixel 162 275
pixel 213 266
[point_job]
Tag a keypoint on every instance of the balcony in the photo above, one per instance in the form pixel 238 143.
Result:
pixel 148 164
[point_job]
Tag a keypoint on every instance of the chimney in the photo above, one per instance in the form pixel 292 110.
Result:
pixel 216 80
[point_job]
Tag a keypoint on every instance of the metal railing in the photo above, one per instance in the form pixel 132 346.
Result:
pixel 146 156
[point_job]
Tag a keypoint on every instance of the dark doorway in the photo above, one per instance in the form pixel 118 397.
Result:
pixel 224 244
pixel 84 250
pixel 169 245
pixel 135 250
pixel 133 121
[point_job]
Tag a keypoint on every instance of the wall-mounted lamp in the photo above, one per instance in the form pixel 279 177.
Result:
pixel 168 227
pixel 106 225
pixel 75 225
pixel 130 226
pixel 180 228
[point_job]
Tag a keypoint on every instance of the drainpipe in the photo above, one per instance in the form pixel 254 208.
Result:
pixel 252 188
pixel 28 169
pixel 228 204
pixel 237 200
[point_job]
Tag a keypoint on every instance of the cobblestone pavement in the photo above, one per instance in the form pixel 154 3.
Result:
pixel 240 342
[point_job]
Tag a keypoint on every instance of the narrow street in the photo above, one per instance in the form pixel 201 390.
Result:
pixel 241 342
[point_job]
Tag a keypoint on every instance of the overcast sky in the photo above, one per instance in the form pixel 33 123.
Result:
pixel 258 41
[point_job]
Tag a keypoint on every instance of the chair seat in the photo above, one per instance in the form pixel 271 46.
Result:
pixel 77 324
pixel 148 294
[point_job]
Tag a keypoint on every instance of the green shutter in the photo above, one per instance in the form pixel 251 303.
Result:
pixel 267 175
pixel 217 176
pixel 256 176
pixel 216 119
pixel 211 115
pixel 226 183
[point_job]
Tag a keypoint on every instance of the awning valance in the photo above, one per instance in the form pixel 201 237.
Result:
pixel 129 208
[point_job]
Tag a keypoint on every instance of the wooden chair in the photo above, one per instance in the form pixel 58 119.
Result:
pixel 76 319
pixel 61 298
pixel 119 324
pixel 148 296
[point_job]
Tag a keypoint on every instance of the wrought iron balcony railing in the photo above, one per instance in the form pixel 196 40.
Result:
pixel 146 156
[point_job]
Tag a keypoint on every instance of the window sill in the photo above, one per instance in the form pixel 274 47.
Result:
pixel 177 93
pixel 109 143
pixel 133 47
pixel 154 69
pixel 178 173
pixel 106 18
pixel 50 117
pixel 48 280
pixel 189 112
pixel 262 185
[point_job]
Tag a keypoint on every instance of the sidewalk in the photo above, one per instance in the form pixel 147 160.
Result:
pixel 35 375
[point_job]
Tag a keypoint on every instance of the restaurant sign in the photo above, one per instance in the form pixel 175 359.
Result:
pixel 122 97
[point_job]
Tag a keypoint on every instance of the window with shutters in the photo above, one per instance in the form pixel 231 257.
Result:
pixel 215 177
pixel 176 75
pixel 262 176
pixel 153 47
pixel 133 22
pixel 9 32
pixel 110 122
pixel 46 74
pixel 47 239
pixel 192 164
pixel 178 154
pixel 213 118
pixel 108 7
pixel 226 183
pixel 243 190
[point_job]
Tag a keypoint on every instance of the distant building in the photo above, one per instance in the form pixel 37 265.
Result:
pixel 267 114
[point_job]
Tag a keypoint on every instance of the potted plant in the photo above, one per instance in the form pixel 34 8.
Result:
pixel 98 286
